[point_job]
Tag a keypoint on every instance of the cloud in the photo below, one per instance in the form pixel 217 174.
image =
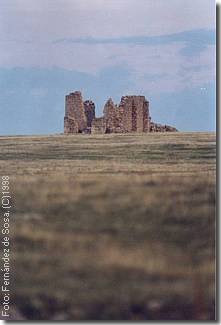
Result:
pixel 194 37
pixel 159 48
pixel 149 38
pixel 161 63
pixel 47 20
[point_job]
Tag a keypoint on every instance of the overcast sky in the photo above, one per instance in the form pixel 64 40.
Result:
pixel 164 50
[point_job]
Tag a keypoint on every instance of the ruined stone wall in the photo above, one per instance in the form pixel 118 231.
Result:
pixel 156 127
pixel 125 108
pixel 110 116
pixel 134 111
pixel 98 126
pixel 70 126
pixel 131 115
pixel 146 117
pixel 139 103
pixel 74 110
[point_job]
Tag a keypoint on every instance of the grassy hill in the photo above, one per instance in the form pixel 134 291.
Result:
pixel 112 226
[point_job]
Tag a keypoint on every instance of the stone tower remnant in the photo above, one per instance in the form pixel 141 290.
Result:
pixel 131 115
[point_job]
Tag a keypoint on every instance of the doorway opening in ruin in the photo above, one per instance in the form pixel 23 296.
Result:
pixel 134 117
pixel 107 131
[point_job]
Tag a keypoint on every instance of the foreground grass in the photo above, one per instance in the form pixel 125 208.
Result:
pixel 112 227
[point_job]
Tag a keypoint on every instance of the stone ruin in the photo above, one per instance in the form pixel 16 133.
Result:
pixel 131 115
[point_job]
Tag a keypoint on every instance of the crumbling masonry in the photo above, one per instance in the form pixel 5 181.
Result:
pixel 131 115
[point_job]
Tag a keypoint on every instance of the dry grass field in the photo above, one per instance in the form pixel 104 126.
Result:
pixel 112 227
